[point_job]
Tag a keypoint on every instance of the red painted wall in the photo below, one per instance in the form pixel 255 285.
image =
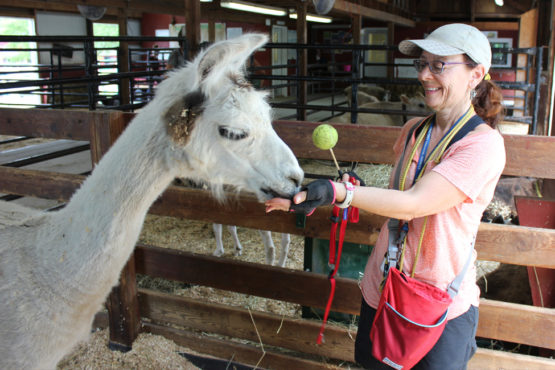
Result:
pixel 152 22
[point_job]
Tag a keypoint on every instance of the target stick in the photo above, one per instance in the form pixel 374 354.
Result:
pixel 335 161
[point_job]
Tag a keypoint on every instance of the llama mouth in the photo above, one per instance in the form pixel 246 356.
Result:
pixel 271 193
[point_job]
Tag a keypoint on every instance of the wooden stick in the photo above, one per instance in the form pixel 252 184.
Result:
pixel 335 160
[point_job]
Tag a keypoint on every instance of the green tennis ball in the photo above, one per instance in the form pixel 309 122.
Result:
pixel 324 136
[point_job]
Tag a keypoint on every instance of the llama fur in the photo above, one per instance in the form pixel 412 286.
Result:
pixel 57 269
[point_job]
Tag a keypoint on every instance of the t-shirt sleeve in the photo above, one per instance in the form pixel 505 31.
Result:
pixel 473 161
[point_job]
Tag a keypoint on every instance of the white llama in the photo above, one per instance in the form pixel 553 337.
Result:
pixel 266 236
pixel 206 122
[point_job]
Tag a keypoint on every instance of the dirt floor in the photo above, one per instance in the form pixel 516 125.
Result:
pixel 149 352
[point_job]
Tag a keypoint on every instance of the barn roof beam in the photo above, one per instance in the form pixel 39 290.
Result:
pixel 347 7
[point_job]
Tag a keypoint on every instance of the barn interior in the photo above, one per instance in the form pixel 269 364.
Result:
pixel 73 74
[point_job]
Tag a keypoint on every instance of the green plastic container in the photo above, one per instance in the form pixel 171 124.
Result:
pixel 352 264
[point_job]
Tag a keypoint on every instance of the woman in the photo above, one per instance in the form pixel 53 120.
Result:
pixel 450 196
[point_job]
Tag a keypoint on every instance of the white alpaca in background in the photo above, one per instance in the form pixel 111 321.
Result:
pixel 266 239
pixel 206 123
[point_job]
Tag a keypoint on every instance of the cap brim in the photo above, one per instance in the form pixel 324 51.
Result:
pixel 415 47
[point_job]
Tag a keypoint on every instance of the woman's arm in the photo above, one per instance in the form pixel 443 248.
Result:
pixel 431 194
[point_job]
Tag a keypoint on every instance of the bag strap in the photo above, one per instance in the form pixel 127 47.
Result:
pixel 397 233
pixel 453 288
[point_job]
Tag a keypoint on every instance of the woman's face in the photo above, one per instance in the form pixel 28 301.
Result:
pixel 448 89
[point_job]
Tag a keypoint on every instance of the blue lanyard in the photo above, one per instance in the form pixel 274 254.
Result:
pixel 421 161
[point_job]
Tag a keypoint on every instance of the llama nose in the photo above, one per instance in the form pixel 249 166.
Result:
pixel 296 180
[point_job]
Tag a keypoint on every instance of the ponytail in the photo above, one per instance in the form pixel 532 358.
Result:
pixel 488 103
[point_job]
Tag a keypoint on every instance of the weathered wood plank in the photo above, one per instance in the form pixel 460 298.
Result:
pixel 484 359
pixel 47 123
pixel 40 184
pixel 246 211
pixel 104 131
pixel 122 303
pixel 527 155
pixel 298 334
pixel 368 144
pixel 294 334
pixel 305 288
pixel 497 319
pixel 124 317
pixel 518 245
pixel 236 352
pixel 517 323
pixel 521 245
pixel 487 359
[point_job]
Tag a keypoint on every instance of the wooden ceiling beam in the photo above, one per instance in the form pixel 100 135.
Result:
pixel 343 6
pixel 499 26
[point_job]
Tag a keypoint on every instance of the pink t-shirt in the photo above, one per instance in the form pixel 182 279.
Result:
pixel 473 164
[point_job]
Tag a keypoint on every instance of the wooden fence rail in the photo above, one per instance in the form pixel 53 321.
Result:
pixel 526 156
pixel 521 245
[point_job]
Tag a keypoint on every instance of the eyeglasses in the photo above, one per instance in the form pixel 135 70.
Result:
pixel 435 66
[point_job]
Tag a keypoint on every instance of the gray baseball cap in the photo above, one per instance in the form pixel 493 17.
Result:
pixel 452 39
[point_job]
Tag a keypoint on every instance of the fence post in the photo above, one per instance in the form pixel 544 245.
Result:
pixel 122 304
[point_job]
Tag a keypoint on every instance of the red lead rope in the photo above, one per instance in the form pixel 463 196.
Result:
pixel 349 214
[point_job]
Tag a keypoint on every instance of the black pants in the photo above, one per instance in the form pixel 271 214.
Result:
pixel 453 350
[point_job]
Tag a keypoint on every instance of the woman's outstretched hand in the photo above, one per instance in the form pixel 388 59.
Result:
pixel 317 193
pixel 282 204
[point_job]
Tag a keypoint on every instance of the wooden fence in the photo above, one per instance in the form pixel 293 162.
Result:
pixel 131 309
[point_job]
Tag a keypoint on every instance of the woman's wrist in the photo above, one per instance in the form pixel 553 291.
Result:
pixel 340 192
pixel 344 194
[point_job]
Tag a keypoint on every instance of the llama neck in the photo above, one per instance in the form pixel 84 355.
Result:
pixel 104 218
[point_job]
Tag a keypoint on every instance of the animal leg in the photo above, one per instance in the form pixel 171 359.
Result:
pixel 268 245
pixel 285 242
pixel 236 242
pixel 219 251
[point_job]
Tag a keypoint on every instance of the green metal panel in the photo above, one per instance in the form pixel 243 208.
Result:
pixel 352 264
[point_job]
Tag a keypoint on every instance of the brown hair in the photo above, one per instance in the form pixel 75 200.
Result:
pixel 488 102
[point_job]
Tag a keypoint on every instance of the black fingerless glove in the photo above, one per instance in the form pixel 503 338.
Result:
pixel 319 193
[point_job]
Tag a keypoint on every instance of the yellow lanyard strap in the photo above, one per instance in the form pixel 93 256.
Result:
pixel 435 155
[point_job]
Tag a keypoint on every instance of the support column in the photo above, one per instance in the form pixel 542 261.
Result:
pixel 390 53
pixel 123 57
pixel 302 38
pixel 192 26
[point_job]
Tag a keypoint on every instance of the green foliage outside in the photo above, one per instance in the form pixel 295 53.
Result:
pixel 106 29
pixel 17 27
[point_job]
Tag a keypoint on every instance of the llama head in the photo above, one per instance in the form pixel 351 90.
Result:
pixel 222 126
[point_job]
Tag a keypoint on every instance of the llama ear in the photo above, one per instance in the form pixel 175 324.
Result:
pixel 181 116
pixel 231 54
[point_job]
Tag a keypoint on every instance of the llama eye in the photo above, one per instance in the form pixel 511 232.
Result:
pixel 232 133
